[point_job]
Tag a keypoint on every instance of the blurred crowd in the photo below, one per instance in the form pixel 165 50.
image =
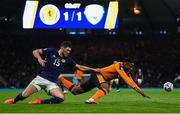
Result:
pixel 159 58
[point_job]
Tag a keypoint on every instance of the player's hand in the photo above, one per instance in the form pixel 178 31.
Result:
pixel 147 97
pixel 41 62
pixel 98 70
pixel 141 92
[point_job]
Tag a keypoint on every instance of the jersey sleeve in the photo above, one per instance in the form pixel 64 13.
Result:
pixel 46 51
pixel 128 80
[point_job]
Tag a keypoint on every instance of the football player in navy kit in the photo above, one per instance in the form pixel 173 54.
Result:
pixel 53 65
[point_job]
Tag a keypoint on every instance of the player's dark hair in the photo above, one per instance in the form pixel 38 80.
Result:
pixel 66 44
pixel 129 69
pixel 129 64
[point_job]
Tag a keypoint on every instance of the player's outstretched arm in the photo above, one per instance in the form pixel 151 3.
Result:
pixel 131 83
pixel 87 69
pixel 37 54
pixel 141 92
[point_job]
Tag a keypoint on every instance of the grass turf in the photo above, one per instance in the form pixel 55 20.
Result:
pixel 123 101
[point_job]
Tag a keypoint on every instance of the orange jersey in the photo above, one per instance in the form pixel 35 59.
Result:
pixel 79 74
pixel 114 70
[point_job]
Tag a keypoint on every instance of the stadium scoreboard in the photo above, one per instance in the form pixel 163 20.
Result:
pixel 70 14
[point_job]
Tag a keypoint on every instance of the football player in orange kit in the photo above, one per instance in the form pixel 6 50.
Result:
pixel 79 74
pixel 100 80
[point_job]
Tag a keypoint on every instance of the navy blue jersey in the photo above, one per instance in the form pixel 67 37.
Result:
pixel 54 65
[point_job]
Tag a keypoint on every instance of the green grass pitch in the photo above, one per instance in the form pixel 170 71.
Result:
pixel 115 102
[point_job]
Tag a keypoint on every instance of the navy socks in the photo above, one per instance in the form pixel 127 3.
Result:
pixel 54 100
pixel 19 97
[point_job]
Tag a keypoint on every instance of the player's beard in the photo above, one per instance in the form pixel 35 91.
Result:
pixel 64 55
pixel 61 53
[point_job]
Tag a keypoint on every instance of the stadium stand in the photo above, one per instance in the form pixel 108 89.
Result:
pixel 159 58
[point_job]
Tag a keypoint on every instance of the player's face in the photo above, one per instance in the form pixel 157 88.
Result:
pixel 127 67
pixel 114 62
pixel 66 51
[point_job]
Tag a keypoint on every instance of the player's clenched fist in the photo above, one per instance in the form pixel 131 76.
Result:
pixel 41 62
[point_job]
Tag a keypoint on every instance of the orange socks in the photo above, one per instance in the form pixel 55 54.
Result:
pixel 66 83
pixel 100 93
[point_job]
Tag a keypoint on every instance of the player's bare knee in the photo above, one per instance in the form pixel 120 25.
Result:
pixel 57 93
pixel 25 94
pixel 105 87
